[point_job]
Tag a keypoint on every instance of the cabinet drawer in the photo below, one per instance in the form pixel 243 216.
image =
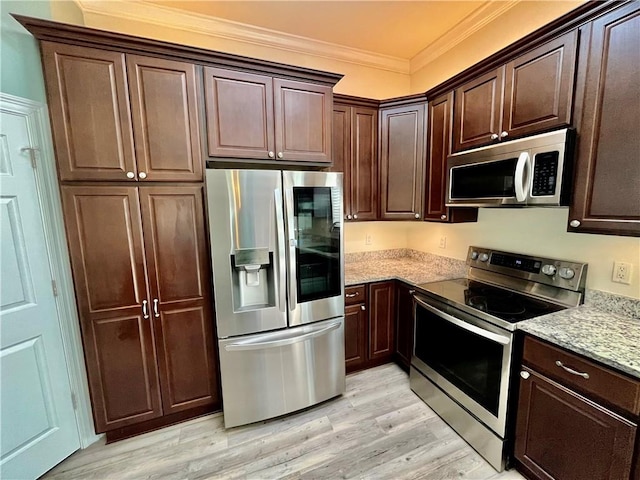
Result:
pixel 353 295
pixel 615 389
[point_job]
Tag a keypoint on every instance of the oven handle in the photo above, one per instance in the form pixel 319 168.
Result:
pixel 462 324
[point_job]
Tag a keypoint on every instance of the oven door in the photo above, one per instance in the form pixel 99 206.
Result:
pixel 465 357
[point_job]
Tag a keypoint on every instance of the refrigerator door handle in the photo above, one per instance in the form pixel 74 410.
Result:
pixel 281 253
pixel 293 274
pixel 260 345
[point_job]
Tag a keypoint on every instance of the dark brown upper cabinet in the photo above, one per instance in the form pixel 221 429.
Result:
pixel 140 268
pixel 122 117
pixel 355 151
pixel 531 94
pixel 607 169
pixel 402 160
pixel 478 111
pixel 258 117
pixel 438 148
pixel 164 105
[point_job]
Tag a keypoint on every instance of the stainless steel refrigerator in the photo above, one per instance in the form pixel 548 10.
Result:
pixel 278 267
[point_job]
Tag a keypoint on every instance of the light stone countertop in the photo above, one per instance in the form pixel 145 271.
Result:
pixel 609 338
pixel 596 330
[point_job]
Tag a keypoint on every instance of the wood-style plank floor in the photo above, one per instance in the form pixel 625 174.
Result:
pixel 379 429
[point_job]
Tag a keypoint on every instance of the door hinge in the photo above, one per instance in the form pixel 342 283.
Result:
pixel 32 154
pixel 74 401
pixel 54 287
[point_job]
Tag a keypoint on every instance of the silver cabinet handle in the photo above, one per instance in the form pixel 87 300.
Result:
pixel 271 154
pixel 417 215
pixel 349 217
pixel 355 217
pixel 443 217
pixel 411 292
pixel 156 313
pixel 494 136
pixel 351 295
pixel 142 175
pixel 525 375
pixel 504 134
pixel 145 313
pixel 574 223
pixel 131 175
pixel 572 371
pixel 280 155
pixel 362 307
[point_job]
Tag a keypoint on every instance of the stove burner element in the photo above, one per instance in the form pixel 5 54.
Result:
pixel 497 304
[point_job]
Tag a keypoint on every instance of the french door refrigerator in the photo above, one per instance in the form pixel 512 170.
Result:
pixel 277 250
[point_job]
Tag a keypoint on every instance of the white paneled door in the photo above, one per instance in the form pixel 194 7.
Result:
pixel 38 423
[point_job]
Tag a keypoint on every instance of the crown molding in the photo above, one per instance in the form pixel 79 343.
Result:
pixel 225 29
pixel 472 23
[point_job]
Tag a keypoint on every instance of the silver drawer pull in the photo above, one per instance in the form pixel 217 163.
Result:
pixel 572 371
pixel 351 295
pixel 145 314
pixel 156 313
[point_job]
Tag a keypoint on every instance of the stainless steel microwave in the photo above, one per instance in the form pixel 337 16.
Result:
pixel 532 171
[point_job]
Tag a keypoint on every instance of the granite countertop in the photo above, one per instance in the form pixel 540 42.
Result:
pixel 596 330
pixel 607 337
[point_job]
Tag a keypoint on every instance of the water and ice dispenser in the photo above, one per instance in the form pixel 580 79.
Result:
pixel 252 273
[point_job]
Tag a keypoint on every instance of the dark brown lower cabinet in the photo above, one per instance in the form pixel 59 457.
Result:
pixel 382 310
pixel 369 325
pixel 140 267
pixel 355 336
pixel 562 435
pixel 404 324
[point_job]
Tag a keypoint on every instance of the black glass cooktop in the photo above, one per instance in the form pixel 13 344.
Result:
pixel 498 305
pixel 509 306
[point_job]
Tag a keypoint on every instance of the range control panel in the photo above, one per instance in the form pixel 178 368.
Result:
pixel 560 273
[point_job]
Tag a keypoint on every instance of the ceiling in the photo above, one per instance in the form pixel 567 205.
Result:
pixel 400 29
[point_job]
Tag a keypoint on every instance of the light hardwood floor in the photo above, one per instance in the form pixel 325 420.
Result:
pixel 379 429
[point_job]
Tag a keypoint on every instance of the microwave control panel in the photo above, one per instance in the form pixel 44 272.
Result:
pixel 545 174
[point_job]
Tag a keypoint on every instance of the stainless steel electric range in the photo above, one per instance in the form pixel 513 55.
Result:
pixel 464 338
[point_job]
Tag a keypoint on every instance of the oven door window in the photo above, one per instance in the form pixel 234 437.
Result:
pixel 470 362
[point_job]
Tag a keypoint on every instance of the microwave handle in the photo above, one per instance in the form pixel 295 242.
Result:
pixel 521 179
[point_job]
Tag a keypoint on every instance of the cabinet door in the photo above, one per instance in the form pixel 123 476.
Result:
pixel 539 87
pixel 341 146
pixel 382 310
pixel 303 115
pixel 404 324
pixel 181 308
pixel 364 163
pixel 105 242
pixel 438 149
pixel 355 336
pixel 90 118
pixel 164 104
pixel 606 193
pixel 402 159
pixel 560 434
pixel 239 114
pixel 478 111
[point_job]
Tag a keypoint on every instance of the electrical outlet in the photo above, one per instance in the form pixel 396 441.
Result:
pixel 622 272
pixel 443 242
pixel 368 240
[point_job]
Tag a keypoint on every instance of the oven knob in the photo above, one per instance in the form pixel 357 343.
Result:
pixel 549 270
pixel 484 257
pixel 566 273
pixel 474 255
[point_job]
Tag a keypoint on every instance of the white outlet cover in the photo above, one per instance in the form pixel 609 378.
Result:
pixel 622 272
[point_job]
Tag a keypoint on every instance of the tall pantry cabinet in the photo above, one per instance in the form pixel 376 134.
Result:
pixel 127 138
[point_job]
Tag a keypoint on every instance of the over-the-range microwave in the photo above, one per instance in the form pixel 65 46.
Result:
pixel 532 171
